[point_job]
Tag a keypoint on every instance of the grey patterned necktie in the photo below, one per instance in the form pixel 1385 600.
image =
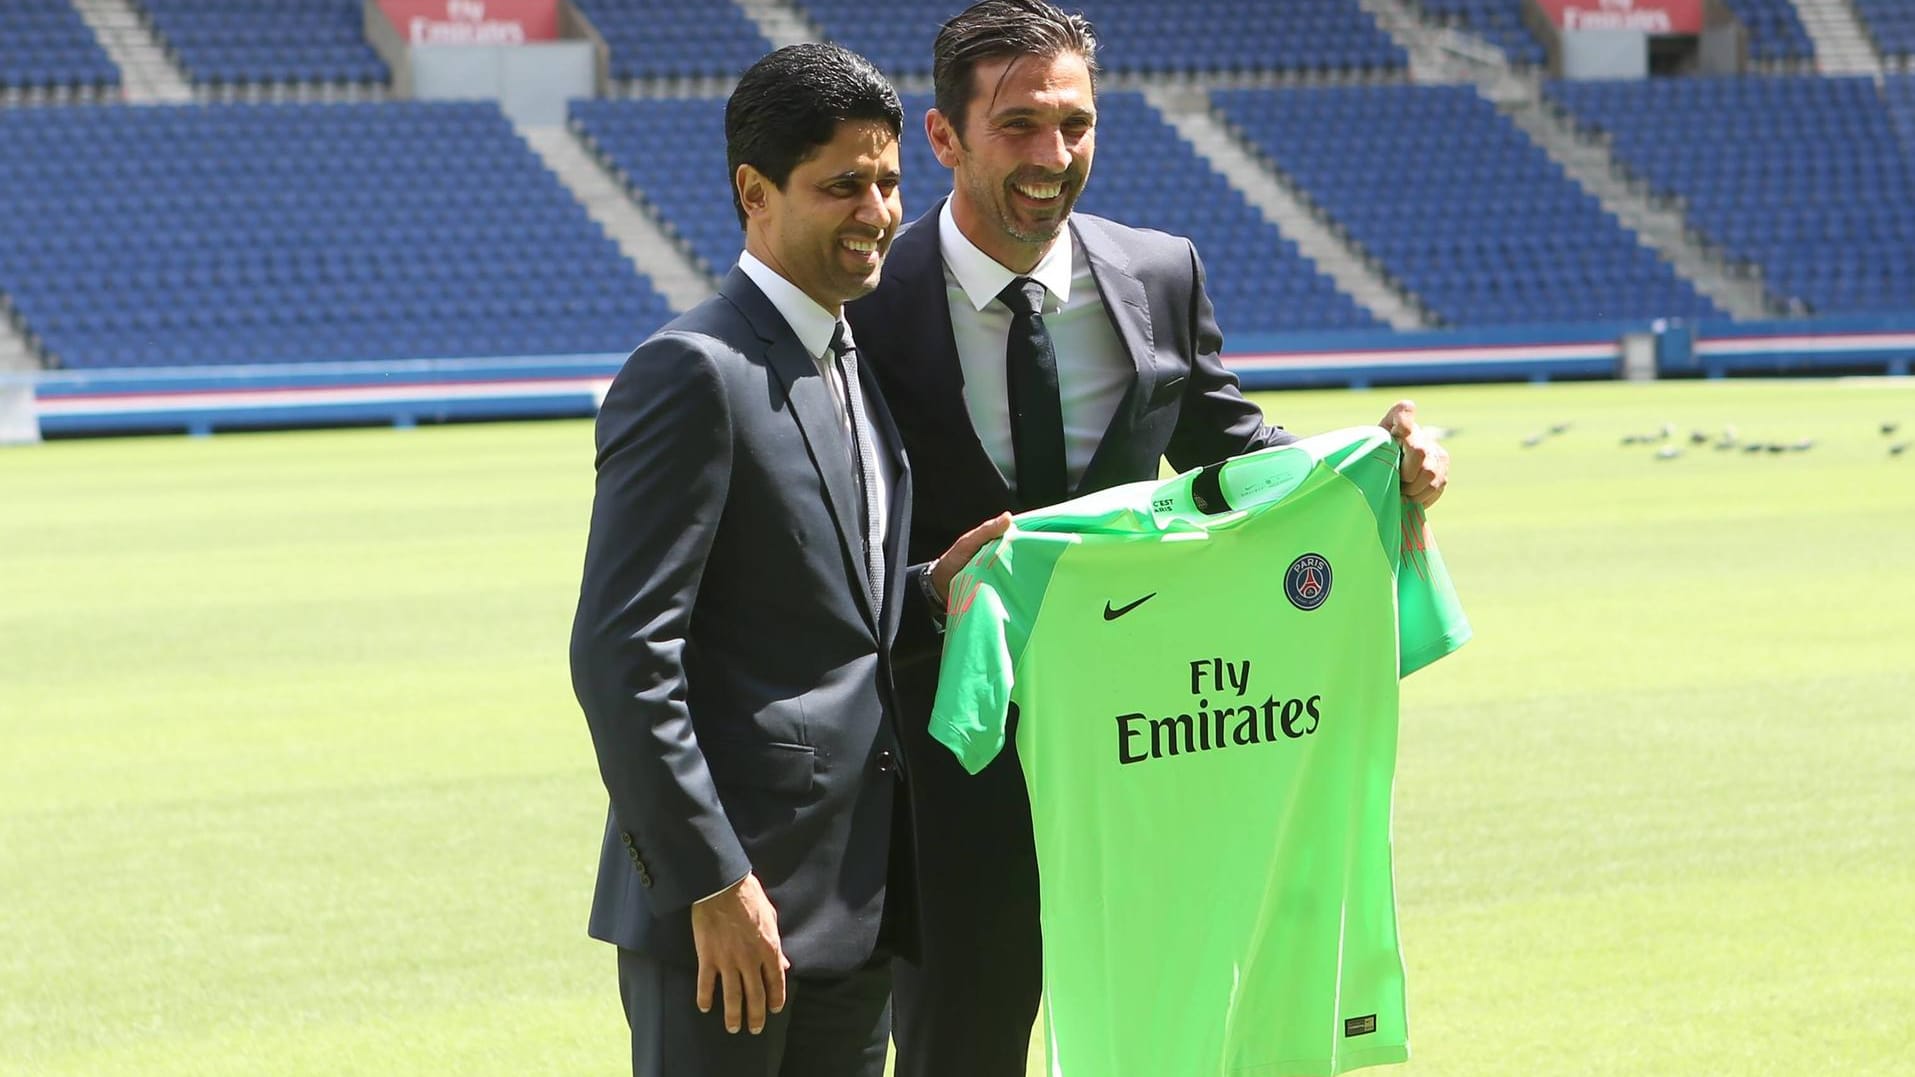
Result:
pixel 864 446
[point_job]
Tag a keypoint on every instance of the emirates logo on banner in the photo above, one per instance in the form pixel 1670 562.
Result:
pixel 1642 16
pixel 473 22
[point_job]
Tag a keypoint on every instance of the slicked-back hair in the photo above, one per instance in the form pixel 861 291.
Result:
pixel 994 30
pixel 790 103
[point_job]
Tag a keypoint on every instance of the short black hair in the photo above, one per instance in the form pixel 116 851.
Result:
pixel 790 103
pixel 996 29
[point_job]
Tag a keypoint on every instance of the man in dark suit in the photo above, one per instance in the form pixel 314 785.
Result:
pixel 1028 354
pixel 743 581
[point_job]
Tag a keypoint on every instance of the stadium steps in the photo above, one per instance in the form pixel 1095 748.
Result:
pixel 17 424
pixel 147 74
pixel 1189 111
pixel 780 22
pixel 15 356
pixel 1842 47
pixel 1663 229
pixel 1438 54
pixel 638 236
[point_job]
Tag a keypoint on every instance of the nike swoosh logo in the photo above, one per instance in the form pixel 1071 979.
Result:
pixel 1113 614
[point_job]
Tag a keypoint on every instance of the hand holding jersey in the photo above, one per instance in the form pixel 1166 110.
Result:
pixel 1209 745
pixel 1425 471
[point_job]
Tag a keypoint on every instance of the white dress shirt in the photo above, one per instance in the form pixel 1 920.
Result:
pixel 814 327
pixel 1094 371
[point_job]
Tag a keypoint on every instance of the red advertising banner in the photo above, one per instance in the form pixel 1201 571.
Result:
pixel 473 22
pixel 1647 16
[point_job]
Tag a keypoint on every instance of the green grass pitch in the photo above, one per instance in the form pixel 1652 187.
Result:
pixel 291 780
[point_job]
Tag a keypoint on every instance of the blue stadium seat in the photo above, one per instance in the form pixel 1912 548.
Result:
pixel 270 233
pixel 1454 202
pixel 1775 30
pixel 1499 22
pixel 45 45
pixel 672 151
pixel 676 38
pixel 266 41
pixel 1806 177
pixel 1891 24
pixel 1147 36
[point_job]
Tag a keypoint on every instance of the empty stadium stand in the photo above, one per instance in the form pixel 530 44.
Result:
pixel 266 233
pixel 672 150
pixel 45 47
pixel 1898 93
pixel 1776 34
pixel 1775 30
pixel 1499 22
pixel 675 38
pixel 1146 175
pixel 1806 177
pixel 1891 25
pixel 266 41
pixel 1454 202
pixel 670 153
pixel 225 234
pixel 1149 36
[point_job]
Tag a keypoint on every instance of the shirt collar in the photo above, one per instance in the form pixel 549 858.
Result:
pixel 813 324
pixel 982 278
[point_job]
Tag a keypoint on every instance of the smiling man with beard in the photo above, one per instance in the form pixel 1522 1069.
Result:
pixel 743 582
pixel 1029 354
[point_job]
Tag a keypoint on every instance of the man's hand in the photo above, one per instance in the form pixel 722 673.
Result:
pixel 953 560
pixel 1426 463
pixel 736 933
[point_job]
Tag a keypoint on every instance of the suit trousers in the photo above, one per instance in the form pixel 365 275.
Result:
pixel 831 1026
pixel 966 1003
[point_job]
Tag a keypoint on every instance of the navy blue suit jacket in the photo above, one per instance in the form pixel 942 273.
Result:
pixel 734 674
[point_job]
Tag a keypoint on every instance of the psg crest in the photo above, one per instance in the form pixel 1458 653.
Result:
pixel 1307 583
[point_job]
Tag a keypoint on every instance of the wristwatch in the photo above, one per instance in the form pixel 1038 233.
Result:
pixel 931 600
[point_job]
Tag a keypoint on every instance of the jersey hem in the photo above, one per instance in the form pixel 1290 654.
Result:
pixel 1450 643
pixel 1322 1067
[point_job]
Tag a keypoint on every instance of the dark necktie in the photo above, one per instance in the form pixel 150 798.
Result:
pixel 864 448
pixel 1037 416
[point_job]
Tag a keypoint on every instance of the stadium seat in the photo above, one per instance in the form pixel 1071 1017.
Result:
pixel 1775 30
pixel 672 152
pixel 230 42
pixel 675 38
pixel 1454 202
pixel 1806 177
pixel 46 46
pixel 1499 22
pixel 1148 36
pixel 1891 25
pixel 272 233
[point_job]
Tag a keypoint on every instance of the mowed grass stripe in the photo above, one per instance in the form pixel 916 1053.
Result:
pixel 292 780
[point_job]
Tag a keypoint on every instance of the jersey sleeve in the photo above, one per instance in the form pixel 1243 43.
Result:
pixel 992 607
pixel 1429 618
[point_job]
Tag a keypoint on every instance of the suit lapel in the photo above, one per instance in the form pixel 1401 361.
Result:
pixel 918 260
pixel 1129 311
pixel 816 415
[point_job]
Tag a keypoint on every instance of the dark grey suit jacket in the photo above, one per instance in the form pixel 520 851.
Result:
pixel 976 874
pixel 1182 405
pixel 733 672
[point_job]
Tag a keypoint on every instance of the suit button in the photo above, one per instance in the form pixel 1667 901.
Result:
pixel 887 763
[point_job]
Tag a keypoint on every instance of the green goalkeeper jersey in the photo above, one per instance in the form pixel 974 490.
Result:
pixel 1204 673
